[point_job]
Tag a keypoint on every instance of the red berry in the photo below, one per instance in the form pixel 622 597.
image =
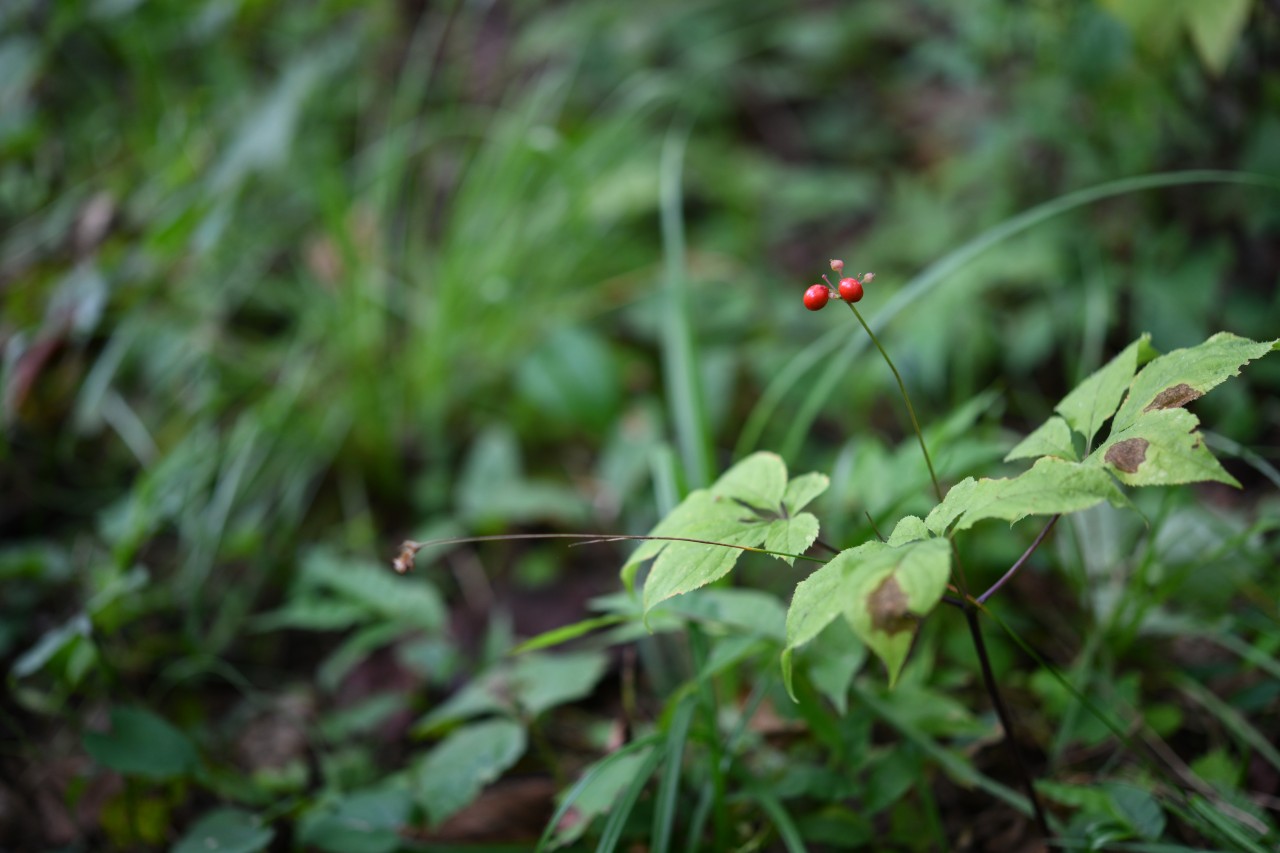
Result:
pixel 815 298
pixel 850 289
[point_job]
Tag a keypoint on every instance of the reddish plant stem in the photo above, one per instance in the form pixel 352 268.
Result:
pixel 1006 721
pixel 1013 570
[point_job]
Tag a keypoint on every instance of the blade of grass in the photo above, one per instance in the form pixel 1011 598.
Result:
pixel 955 766
pixel 787 829
pixel 699 820
pixel 711 709
pixel 664 815
pixel 1226 828
pixel 1151 758
pixel 573 793
pixel 622 808
pixel 1232 719
pixel 679 356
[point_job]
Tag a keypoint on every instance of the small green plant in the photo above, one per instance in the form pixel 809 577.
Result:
pixel 883 589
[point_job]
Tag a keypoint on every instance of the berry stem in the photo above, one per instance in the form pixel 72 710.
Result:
pixel 906 398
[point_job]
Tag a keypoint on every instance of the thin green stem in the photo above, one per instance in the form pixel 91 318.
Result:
pixel 915 425
pixel 906 398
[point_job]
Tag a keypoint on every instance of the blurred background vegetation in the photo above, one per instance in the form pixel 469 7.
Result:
pixel 283 283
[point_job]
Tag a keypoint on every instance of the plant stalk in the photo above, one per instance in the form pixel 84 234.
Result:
pixel 1006 721
pixel 906 398
pixel 915 425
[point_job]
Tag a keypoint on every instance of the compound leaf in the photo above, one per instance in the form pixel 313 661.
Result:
pixel 1051 486
pixel 1162 449
pixel 1051 438
pixel 1177 378
pixel 1095 399
pixel 751 505
pixel 804 489
pixel 880 589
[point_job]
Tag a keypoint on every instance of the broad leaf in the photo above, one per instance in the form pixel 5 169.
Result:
pixel 142 744
pixel 1095 399
pixel 1215 29
pixel 226 831
pixel 879 589
pixel 1051 486
pixel 802 490
pixel 751 505
pixel 1051 438
pixel 1162 449
pixel 747 611
pixel 890 589
pixel 821 597
pixel 1177 378
pixel 541 682
pixel 909 529
pixel 366 821
pixel 457 770
pixel 367 584
pixel 791 535
pixel 532 683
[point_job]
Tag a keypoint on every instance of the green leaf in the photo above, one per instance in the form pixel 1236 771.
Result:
pixel 804 489
pixel 1163 448
pixel 541 682
pixel 565 633
pixel 1155 23
pixel 1137 809
pixel 533 683
pixel 816 603
pixel 410 600
pixel 760 480
pixel 226 831
pixel 1051 486
pixel 366 821
pixel 1177 378
pixel 1215 28
pixel 452 774
pixel 746 506
pixel 889 588
pixel 140 743
pixel 75 630
pixel 791 535
pixel 493 488
pixel 608 777
pixel 1095 399
pixel 836 655
pixel 909 529
pixel 1051 438
pixel 878 588
pixel 749 611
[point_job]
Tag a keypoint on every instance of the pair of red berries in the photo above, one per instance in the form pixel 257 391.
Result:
pixel 815 298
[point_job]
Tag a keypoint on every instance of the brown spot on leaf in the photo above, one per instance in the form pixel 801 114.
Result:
pixel 1174 397
pixel 888 608
pixel 1127 455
